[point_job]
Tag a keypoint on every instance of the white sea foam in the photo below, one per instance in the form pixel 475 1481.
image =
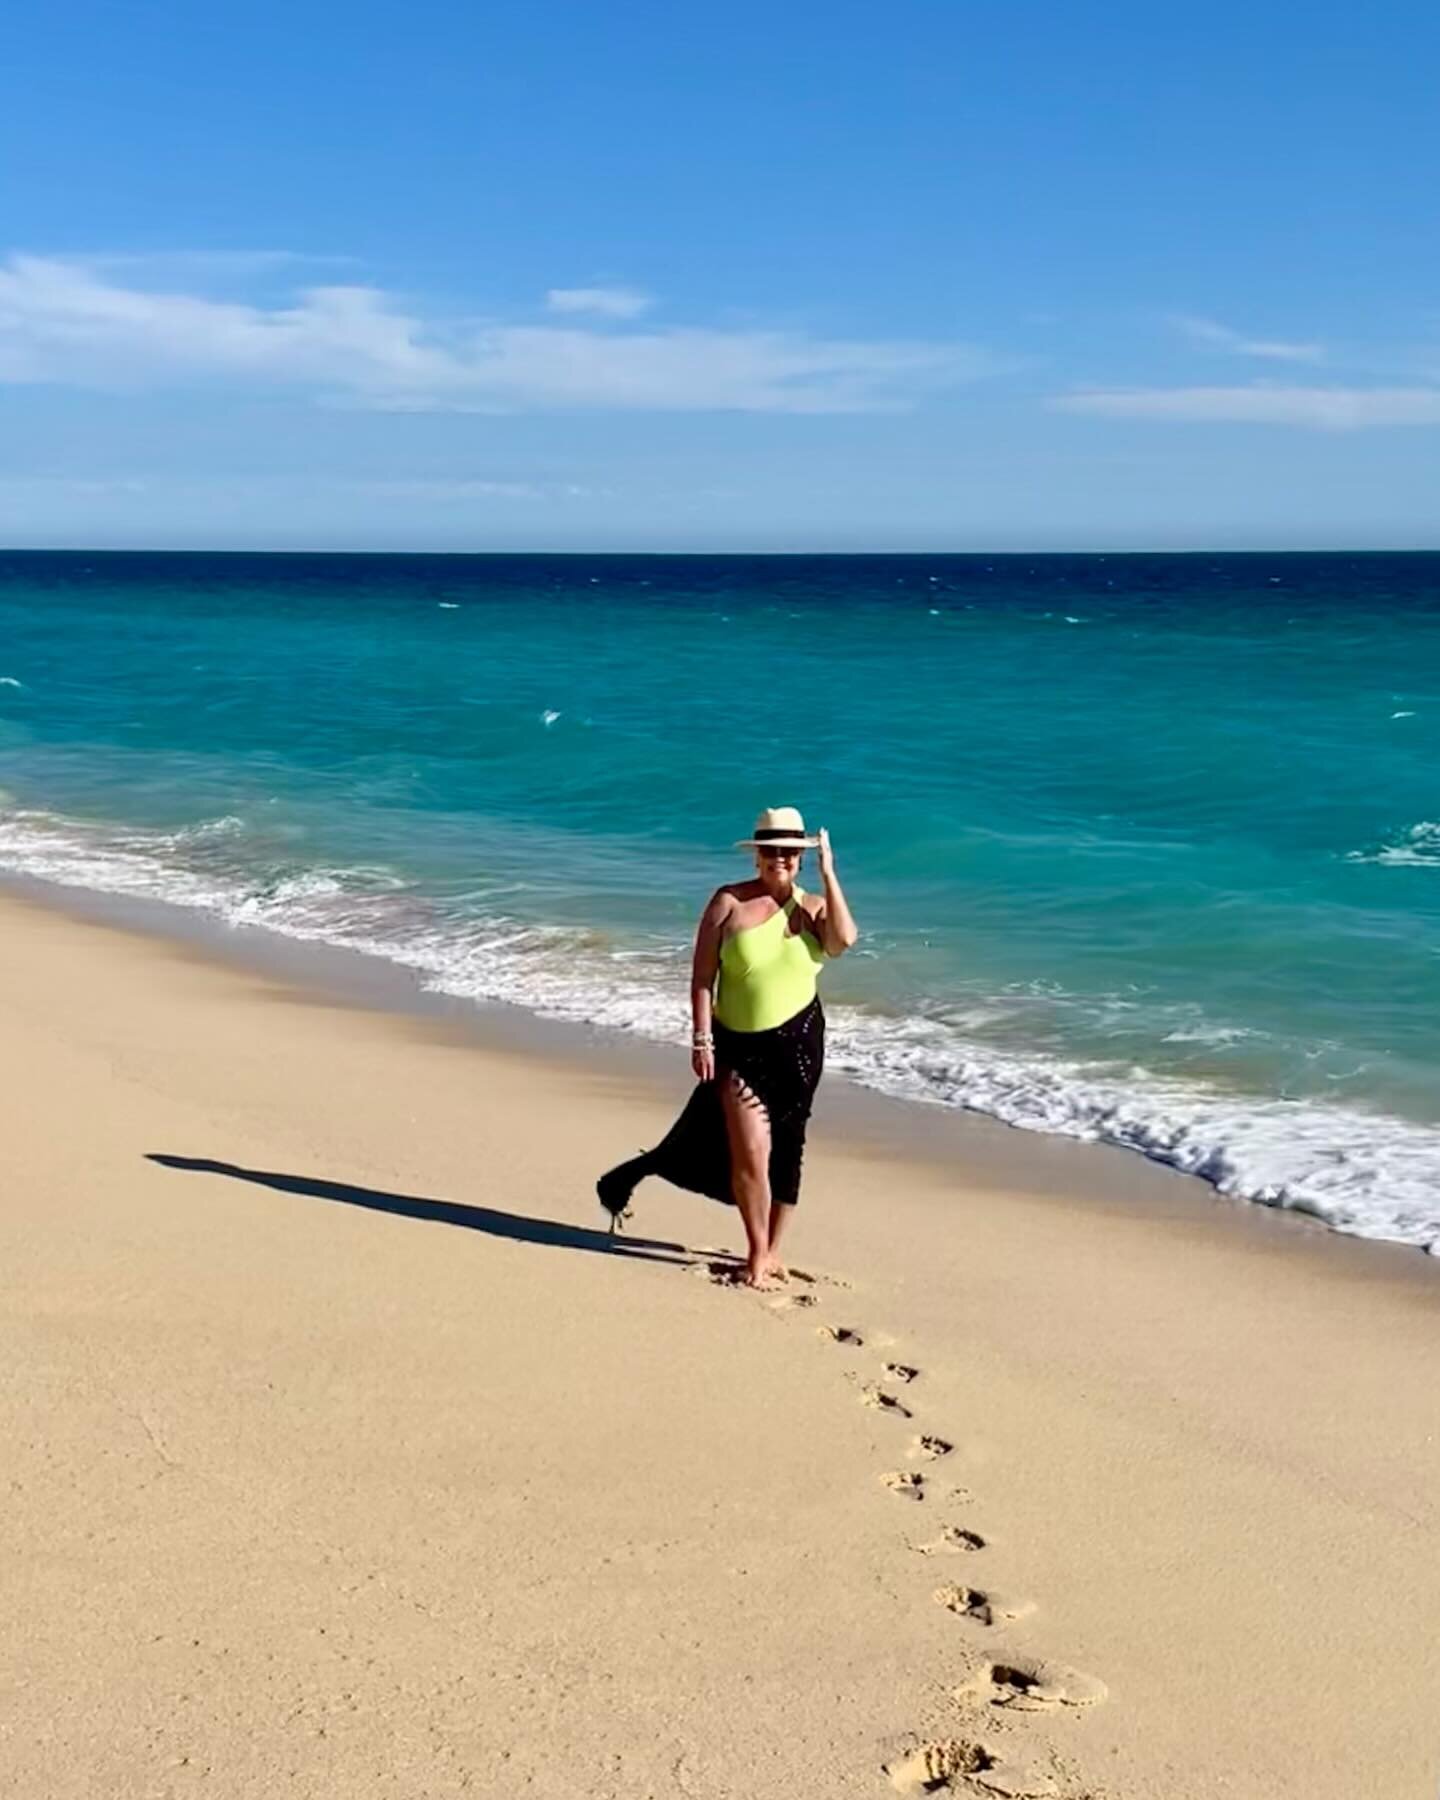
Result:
pixel 1206 1034
pixel 1364 1173
pixel 208 829
pixel 1417 848
pixel 10 681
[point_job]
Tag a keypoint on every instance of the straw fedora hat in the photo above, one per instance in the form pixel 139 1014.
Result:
pixel 780 827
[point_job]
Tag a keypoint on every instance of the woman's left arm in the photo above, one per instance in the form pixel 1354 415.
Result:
pixel 837 929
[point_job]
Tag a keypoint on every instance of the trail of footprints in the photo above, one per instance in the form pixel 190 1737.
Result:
pixel 1010 1682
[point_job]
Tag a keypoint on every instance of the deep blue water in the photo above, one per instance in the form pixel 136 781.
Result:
pixel 1144 848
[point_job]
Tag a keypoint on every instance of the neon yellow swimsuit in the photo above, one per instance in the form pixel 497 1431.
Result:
pixel 767 973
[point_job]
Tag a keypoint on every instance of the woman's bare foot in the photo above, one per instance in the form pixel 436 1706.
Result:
pixel 765 1270
pixel 759 1271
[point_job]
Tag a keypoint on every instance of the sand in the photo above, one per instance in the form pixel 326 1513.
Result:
pixel 345 1456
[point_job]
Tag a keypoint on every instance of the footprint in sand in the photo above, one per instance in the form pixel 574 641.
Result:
pixel 978 1603
pixel 930 1449
pixel 813 1280
pixel 954 1540
pixel 1030 1684
pixel 905 1483
pixel 841 1334
pixel 721 1268
pixel 901 1372
pixel 727 1270
pixel 939 1766
pixel 871 1395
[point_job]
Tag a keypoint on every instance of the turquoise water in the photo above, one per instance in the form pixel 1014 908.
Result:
pixel 1144 849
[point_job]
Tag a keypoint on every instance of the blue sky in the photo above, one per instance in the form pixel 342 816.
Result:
pixel 602 275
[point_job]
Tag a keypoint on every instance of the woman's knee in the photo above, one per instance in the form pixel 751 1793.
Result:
pixel 757 1170
pixel 749 1147
pixel 749 1150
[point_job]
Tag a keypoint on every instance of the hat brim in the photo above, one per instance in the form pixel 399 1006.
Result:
pixel 784 843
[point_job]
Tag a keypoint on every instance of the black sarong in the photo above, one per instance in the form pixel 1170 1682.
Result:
pixel 781 1068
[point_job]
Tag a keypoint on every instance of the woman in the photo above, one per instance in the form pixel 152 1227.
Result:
pixel 758 1044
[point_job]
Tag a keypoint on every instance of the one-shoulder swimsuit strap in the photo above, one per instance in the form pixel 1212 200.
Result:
pixel 768 972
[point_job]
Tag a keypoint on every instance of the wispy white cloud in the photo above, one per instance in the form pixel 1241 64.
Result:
pixel 610 302
pixel 62 322
pixel 1319 408
pixel 200 265
pixel 29 487
pixel 1221 337
pixel 462 488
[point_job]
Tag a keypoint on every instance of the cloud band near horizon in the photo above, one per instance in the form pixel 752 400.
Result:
pixel 66 322
pixel 1317 408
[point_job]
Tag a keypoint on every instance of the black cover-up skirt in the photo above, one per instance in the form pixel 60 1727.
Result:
pixel 782 1069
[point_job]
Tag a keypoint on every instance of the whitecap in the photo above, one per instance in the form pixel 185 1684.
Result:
pixel 10 681
pixel 548 718
pixel 1418 847
pixel 225 826
pixel 1206 1034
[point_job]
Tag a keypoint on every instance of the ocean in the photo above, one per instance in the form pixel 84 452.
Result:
pixel 1144 849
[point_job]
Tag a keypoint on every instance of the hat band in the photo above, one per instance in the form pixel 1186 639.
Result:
pixel 768 837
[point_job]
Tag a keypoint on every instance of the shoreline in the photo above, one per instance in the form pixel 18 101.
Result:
pixel 351 1456
pixel 1002 1157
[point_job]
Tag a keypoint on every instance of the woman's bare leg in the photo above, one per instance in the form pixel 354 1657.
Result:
pixel 779 1219
pixel 747 1125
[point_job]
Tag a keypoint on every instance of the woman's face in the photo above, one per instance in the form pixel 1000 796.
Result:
pixel 778 866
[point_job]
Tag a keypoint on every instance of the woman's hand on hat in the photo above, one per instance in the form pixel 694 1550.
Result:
pixel 825 855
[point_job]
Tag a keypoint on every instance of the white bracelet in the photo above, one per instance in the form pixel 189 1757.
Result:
pixel 702 1040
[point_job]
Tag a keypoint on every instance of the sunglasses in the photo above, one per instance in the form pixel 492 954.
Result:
pixel 775 851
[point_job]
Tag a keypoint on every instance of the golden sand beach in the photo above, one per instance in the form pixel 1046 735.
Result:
pixel 346 1456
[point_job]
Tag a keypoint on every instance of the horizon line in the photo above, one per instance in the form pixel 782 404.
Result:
pixel 1051 550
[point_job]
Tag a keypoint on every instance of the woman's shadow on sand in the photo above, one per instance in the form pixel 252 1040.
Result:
pixel 516 1226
